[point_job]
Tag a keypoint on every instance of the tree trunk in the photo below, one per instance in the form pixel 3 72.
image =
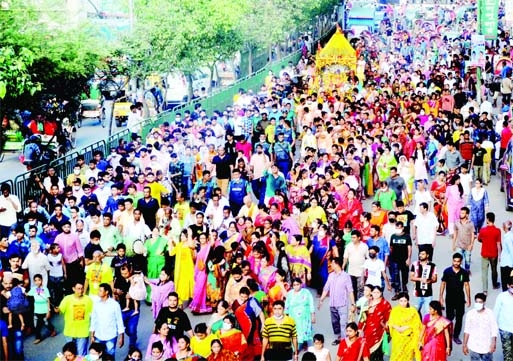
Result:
pixel 111 120
pixel 270 54
pixel 190 90
pixel 212 69
pixel 250 60
pixel 278 52
pixel 164 96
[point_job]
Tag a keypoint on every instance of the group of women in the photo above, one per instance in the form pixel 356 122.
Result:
pixel 398 331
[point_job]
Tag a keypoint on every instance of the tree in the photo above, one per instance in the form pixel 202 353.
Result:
pixel 15 78
pixel 184 35
pixel 43 52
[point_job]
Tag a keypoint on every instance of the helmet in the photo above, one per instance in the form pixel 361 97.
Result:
pixel 36 138
pixel 505 109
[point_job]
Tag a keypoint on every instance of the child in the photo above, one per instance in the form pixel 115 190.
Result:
pixel 42 304
pixel 136 292
pixel 119 260
pixel 17 302
pixel 56 274
pixel 362 305
pixel 321 353
pixel 440 166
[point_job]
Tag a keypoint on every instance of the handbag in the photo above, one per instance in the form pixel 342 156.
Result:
pixel 385 344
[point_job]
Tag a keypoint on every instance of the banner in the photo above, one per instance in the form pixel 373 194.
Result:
pixel 488 18
pixel 477 57
pixel 508 14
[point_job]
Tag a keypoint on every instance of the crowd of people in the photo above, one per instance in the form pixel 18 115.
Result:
pixel 247 213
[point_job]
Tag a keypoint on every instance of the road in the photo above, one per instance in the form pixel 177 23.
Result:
pixel 90 132
pixel 442 257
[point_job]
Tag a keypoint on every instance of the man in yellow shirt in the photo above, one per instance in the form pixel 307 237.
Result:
pixel 96 274
pixel 157 189
pixel 280 335
pixel 76 309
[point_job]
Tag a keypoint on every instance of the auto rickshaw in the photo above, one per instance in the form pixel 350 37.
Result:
pixel 121 111
pixel 91 109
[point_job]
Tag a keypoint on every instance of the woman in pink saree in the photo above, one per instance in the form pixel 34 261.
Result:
pixel 199 295
pixel 455 200
pixel 435 337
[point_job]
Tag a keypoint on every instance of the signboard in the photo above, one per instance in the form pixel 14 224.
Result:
pixel 488 18
pixel 508 14
pixel 477 57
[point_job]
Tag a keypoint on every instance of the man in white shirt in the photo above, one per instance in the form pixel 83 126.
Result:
pixel 481 330
pixel 504 317
pixel 355 255
pixel 259 164
pixel 9 206
pixel 214 212
pixel 425 226
pixel 134 122
pixel 107 321
pixel 374 269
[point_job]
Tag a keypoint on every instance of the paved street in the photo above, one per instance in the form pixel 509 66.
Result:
pixel 442 257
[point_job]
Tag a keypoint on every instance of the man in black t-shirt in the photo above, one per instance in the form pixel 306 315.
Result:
pixel 400 257
pixel 478 154
pixel 175 317
pixel 424 274
pixel 405 216
pixel 456 281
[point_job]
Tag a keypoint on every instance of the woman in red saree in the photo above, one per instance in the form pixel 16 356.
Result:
pixel 365 226
pixel 435 337
pixel 220 353
pixel 375 323
pixel 352 347
pixel 438 190
pixel 349 209
pixel 250 317
pixel 233 339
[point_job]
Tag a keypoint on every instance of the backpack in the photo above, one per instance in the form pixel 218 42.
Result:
pixel 18 302
pixel 31 153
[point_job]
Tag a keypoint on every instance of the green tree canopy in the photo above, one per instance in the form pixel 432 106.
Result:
pixel 40 49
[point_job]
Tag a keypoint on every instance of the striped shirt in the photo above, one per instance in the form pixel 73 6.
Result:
pixel 283 332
